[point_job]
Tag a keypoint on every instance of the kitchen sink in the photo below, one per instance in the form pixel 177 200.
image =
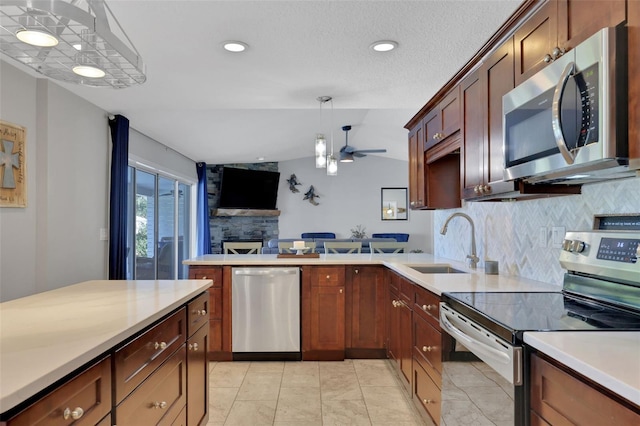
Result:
pixel 437 269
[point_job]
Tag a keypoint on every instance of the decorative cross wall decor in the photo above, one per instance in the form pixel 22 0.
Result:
pixel 13 170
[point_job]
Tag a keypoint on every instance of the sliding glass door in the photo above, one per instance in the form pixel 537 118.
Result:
pixel 159 210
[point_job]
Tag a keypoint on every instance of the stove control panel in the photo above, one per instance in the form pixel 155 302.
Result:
pixel 603 253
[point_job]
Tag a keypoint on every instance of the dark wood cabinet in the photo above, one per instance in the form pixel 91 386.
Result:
pixel 400 317
pixel 197 412
pixel 560 397
pixel 365 311
pixel 417 195
pixel 443 120
pixel 219 308
pixel 557 27
pixel 472 102
pixel 323 313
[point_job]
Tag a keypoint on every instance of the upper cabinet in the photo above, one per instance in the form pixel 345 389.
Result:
pixel 417 196
pixel 443 120
pixel 557 27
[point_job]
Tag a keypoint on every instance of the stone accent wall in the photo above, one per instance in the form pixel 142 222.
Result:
pixel 237 227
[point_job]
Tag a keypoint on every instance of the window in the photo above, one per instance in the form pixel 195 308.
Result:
pixel 159 215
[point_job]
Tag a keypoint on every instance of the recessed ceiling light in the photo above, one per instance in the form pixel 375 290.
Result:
pixel 260 158
pixel 235 46
pixel 384 45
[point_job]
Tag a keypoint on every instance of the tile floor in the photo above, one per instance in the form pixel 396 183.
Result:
pixel 350 392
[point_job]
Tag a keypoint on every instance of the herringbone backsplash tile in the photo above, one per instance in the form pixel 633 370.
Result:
pixel 509 232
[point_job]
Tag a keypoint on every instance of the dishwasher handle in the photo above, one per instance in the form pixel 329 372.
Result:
pixel 249 272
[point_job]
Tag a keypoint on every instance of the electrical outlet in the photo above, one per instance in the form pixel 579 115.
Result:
pixel 557 236
pixel 542 236
pixel 103 234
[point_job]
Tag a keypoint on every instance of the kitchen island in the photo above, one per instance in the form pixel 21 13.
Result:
pixel 47 338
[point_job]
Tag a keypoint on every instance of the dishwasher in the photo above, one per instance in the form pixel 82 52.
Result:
pixel 265 313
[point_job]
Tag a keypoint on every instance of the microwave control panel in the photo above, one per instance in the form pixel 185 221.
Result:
pixel 587 86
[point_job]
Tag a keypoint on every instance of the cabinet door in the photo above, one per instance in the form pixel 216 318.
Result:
pixel 535 39
pixel 198 377
pixel 393 327
pixel 562 399
pixel 443 121
pixel 473 135
pixel 417 196
pixel 365 321
pixel 432 125
pixel 406 344
pixel 498 80
pixel 580 19
pixel 327 318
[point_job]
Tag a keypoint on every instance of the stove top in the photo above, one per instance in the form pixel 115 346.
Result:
pixel 509 315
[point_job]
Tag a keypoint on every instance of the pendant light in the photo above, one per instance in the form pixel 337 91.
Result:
pixel 332 161
pixel 321 142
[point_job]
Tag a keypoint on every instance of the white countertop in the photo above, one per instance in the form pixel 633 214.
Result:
pixel 46 336
pixel 609 358
pixel 472 281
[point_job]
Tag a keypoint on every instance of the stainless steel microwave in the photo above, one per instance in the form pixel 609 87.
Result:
pixel 568 122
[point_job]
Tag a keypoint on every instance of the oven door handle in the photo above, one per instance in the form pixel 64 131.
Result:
pixel 471 343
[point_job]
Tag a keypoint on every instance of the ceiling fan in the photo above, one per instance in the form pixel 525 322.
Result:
pixel 348 152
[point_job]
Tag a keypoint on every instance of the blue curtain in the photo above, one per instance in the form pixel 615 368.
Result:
pixel 119 126
pixel 203 234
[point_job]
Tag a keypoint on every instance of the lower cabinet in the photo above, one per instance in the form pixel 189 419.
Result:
pixel 84 400
pixel 323 313
pixel 400 319
pixel 365 312
pixel 560 397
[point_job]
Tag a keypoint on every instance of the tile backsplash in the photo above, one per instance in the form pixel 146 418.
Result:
pixel 513 233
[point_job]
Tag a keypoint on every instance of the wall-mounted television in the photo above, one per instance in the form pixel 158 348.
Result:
pixel 248 189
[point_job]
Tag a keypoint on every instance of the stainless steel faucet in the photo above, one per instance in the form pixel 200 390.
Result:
pixel 473 258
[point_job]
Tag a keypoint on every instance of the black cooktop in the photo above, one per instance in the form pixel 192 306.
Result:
pixel 509 315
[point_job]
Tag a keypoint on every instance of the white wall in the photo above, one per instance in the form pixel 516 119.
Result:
pixel 352 198
pixel 54 241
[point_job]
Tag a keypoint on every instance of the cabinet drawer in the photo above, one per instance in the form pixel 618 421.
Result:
pixel 427 393
pixel 427 305
pixel 87 395
pixel 328 276
pixel 199 272
pixel 428 345
pixel 407 291
pixel 197 313
pixel 160 398
pixel 139 358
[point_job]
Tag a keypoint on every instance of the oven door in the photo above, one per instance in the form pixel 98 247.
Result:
pixel 503 358
pixel 489 392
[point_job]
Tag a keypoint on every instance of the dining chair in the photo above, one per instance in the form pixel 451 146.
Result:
pixel 342 247
pixel 287 247
pixel 242 247
pixel 387 247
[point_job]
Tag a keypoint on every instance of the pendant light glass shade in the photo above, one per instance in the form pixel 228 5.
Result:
pixel 321 151
pixel 332 165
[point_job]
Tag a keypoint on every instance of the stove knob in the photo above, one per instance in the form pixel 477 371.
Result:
pixel 577 246
pixel 566 245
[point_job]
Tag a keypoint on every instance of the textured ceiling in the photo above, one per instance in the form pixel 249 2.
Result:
pixel 221 107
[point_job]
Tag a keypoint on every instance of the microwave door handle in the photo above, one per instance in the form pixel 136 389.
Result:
pixel 471 343
pixel 555 112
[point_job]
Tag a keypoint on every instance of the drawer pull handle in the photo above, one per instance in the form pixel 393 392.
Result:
pixel 328 277
pixel 427 348
pixel 427 307
pixel 204 278
pixel 193 347
pixel 161 404
pixel 427 401
pixel 161 345
pixel 200 312
pixel 75 414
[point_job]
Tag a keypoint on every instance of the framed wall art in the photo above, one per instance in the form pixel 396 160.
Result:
pixel 13 166
pixel 394 203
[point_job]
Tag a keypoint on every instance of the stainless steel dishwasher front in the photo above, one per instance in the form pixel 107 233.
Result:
pixel 265 312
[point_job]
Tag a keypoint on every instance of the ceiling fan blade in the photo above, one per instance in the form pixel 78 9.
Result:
pixel 369 150
pixel 358 154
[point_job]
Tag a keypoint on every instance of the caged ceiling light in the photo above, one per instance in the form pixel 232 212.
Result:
pixel 72 42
